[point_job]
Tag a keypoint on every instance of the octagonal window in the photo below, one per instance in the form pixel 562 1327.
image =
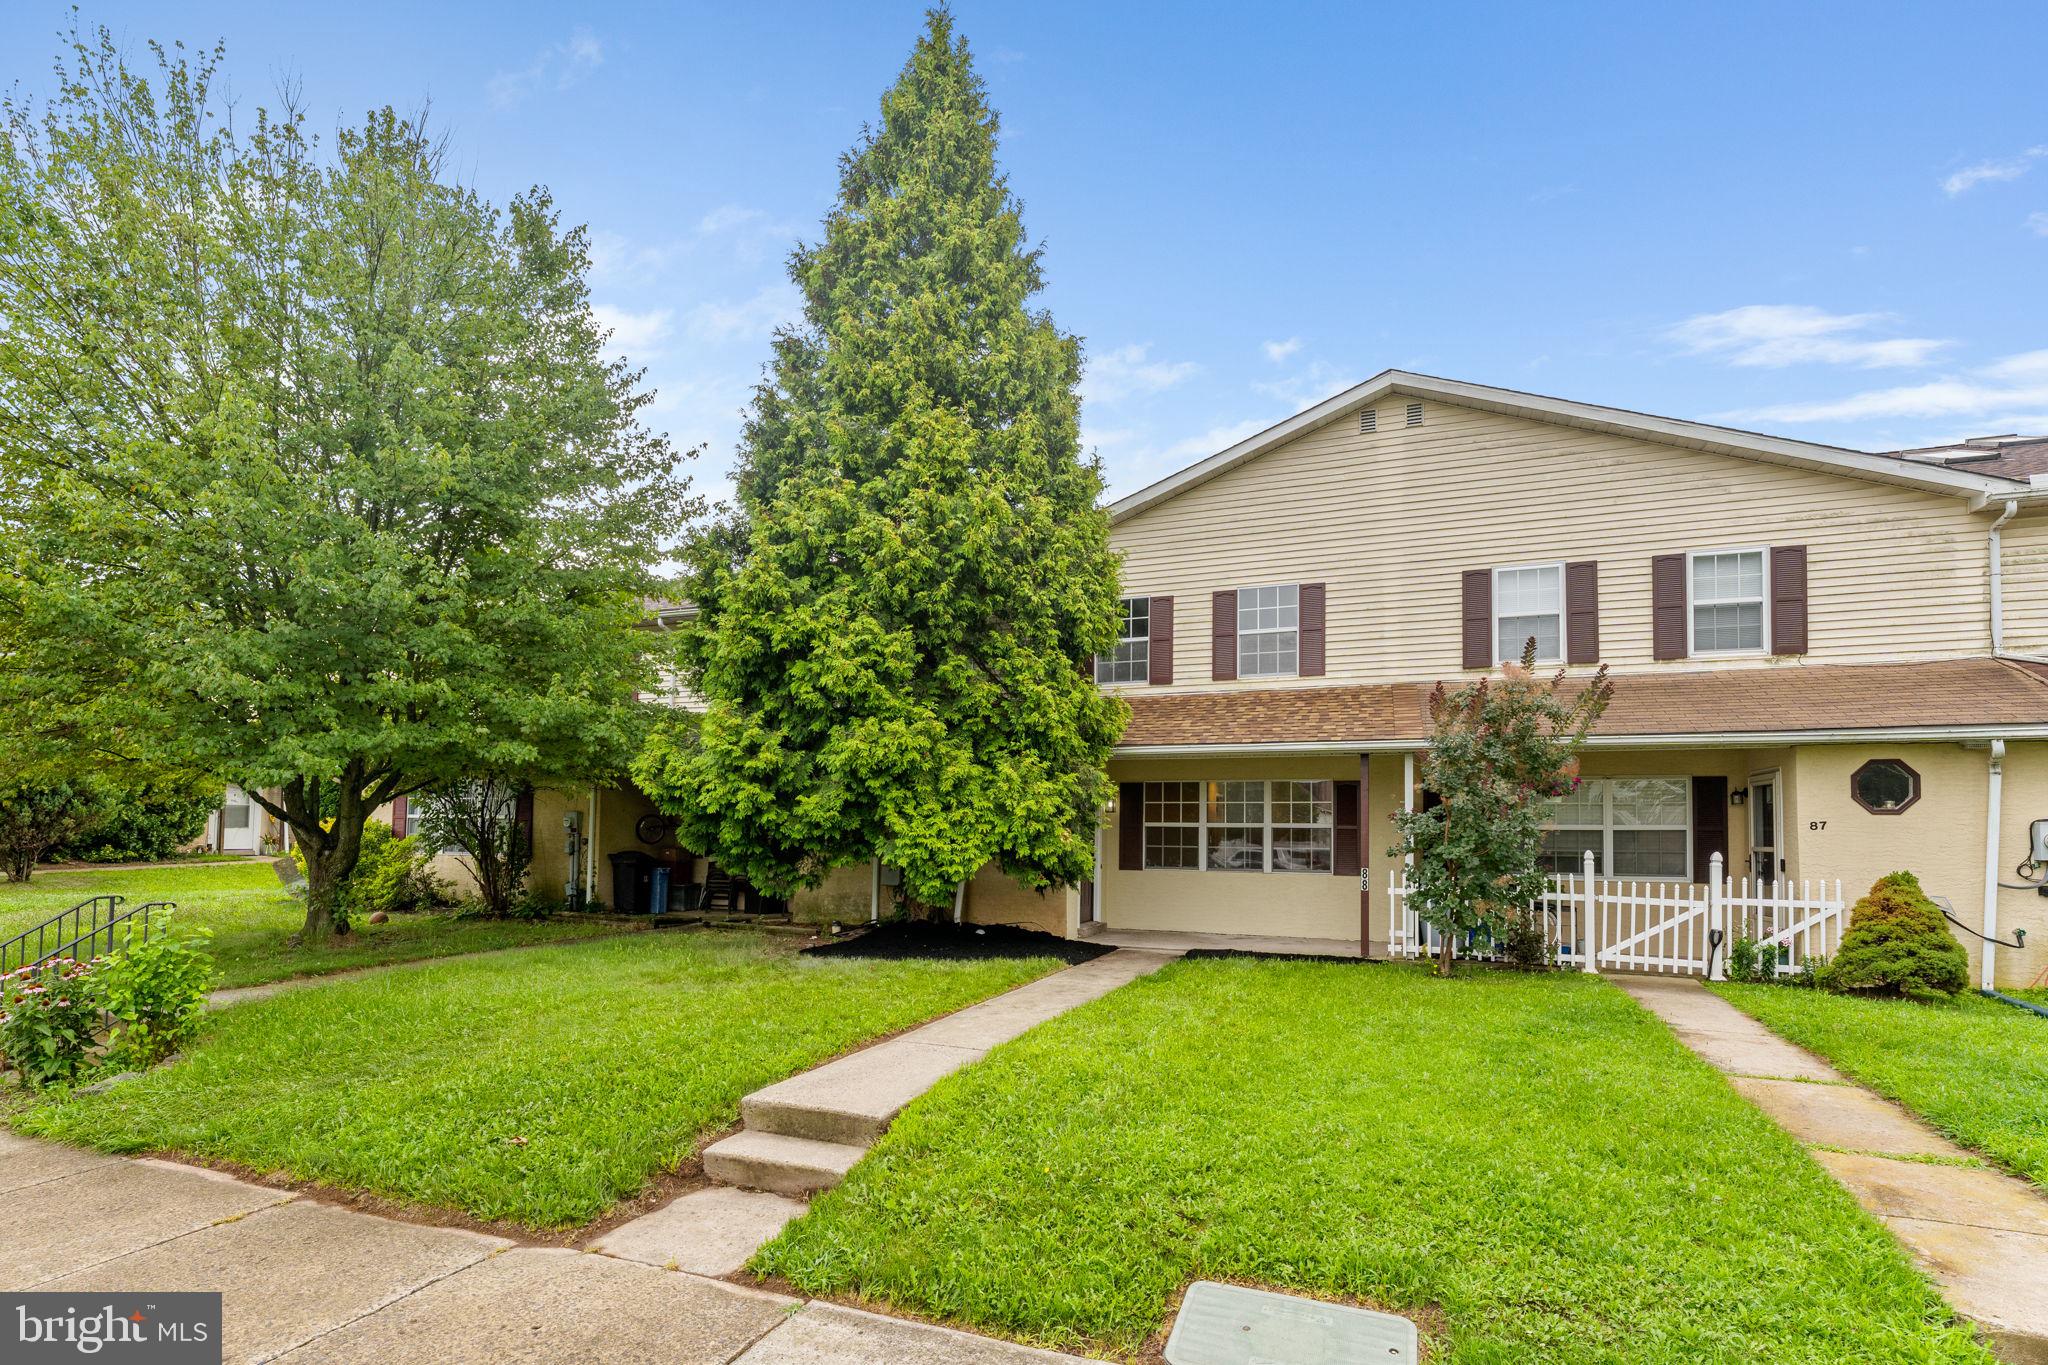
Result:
pixel 1884 786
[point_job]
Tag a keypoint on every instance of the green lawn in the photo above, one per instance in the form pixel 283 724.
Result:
pixel 252 917
pixel 541 1087
pixel 1534 1159
pixel 1976 1069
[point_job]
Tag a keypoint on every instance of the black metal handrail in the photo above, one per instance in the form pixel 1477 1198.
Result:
pixel 33 945
pixel 92 927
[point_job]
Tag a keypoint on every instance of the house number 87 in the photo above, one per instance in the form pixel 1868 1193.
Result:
pixel 1816 824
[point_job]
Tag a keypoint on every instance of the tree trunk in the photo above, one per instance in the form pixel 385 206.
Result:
pixel 1445 954
pixel 331 854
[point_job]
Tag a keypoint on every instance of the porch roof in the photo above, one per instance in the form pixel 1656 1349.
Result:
pixel 1939 699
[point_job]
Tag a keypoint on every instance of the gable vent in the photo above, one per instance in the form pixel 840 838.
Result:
pixel 1415 414
pixel 1369 420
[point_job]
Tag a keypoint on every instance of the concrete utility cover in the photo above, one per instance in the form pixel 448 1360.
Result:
pixel 1225 1324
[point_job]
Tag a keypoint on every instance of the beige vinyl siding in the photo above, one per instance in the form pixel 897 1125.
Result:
pixel 2025 557
pixel 1390 519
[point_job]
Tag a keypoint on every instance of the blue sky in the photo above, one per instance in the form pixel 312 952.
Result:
pixel 1824 220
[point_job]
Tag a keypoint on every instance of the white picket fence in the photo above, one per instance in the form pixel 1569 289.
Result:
pixel 1596 923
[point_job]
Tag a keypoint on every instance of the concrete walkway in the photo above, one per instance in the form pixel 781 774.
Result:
pixel 310 1284
pixel 804 1134
pixel 1980 1234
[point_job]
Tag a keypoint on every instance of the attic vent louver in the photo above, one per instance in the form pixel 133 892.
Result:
pixel 1368 421
pixel 1415 414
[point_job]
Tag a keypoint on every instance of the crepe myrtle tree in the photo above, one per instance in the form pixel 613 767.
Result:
pixel 324 446
pixel 1501 752
pixel 479 818
pixel 893 621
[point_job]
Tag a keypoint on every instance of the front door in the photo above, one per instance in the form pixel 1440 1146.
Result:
pixel 1764 855
pixel 237 823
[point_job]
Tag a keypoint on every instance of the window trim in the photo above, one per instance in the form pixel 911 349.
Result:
pixel 1903 806
pixel 1605 865
pixel 1266 825
pixel 1692 648
pixel 1293 672
pixel 1564 646
pixel 1145 669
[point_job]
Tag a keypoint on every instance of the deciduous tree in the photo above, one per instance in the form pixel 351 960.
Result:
pixel 1501 751
pixel 322 444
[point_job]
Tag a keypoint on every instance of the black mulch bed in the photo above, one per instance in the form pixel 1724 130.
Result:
pixel 958 943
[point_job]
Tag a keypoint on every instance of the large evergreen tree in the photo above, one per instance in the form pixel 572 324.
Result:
pixel 894 624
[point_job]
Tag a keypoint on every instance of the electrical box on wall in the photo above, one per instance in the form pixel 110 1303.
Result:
pixel 2038 841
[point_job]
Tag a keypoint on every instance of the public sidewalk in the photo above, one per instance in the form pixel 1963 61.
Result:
pixel 1980 1234
pixel 309 1283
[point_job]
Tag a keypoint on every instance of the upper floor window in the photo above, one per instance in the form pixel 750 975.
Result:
pixel 1268 631
pixel 1131 661
pixel 1529 602
pixel 1727 609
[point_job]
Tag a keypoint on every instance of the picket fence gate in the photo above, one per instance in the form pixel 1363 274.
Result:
pixel 1596 923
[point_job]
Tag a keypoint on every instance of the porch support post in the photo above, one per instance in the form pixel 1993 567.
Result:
pixel 874 890
pixel 1717 921
pixel 959 898
pixel 1365 855
pixel 1589 917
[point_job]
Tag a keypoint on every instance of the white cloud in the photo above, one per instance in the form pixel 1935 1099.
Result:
pixel 1773 335
pixel 632 333
pixel 750 318
pixel 560 66
pixel 2037 223
pixel 1993 171
pixel 1129 371
pixel 1307 388
pixel 2012 385
pixel 1277 351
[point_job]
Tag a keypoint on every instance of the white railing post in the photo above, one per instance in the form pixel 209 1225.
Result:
pixel 1717 922
pixel 1588 922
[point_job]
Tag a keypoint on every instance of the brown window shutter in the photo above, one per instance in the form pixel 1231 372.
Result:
pixel 1709 825
pixel 1130 826
pixel 1223 635
pixel 398 814
pixel 1788 599
pixel 1344 820
pixel 1582 612
pixel 1477 616
pixel 1667 606
pixel 1160 668
pixel 1309 658
pixel 522 815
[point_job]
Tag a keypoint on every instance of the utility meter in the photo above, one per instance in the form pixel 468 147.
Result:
pixel 2038 841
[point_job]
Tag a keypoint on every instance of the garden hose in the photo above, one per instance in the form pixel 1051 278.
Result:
pixel 2019 936
pixel 2027 1005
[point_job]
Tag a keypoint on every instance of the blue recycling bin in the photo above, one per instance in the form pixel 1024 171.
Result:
pixel 657 890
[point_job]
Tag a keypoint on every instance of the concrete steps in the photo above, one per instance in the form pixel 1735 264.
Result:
pixel 779 1163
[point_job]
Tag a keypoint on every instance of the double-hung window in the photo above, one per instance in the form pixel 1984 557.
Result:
pixel 1239 826
pixel 1633 827
pixel 1131 661
pixel 1727 608
pixel 1528 602
pixel 1268 631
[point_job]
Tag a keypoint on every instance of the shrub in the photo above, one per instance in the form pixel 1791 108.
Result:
pixel 156 991
pixel 1742 960
pixel 148 824
pixel 47 1018
pixel 37 817
pixel 391 875
pixel 1523 942
pixel 1898 944
pixel 480 819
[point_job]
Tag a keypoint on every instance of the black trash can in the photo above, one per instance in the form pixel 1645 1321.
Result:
pixel 632 873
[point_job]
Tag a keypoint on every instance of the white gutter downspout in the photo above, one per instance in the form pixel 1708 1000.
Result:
pixel 590 851
pixel 1998 580
pixel 1991 819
